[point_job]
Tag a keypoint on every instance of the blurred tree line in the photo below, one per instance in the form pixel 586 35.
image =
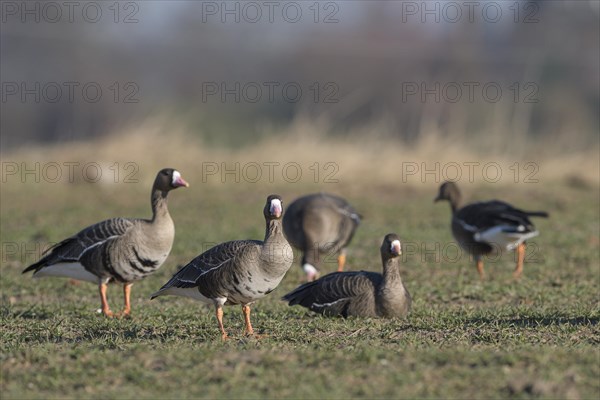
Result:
pixel 231 71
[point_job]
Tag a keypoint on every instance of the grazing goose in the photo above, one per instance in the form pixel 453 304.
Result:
pixel 237 272
pixel 359 293
pixel 124 250
pixel 480 227
pixel 320 224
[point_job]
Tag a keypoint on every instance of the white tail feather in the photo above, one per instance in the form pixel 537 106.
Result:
pixel 67 270
pixel 193 293
pixel 501 236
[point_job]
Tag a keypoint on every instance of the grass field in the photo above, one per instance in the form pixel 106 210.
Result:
pixel 536 338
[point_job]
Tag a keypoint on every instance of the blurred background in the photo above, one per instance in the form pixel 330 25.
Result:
pixel 519 78
pixel 375 101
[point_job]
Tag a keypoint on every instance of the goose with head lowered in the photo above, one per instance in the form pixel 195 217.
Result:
pixel 481 227
pixel 359 293
pixel 320 224
pixel 237 272
pixel 121 250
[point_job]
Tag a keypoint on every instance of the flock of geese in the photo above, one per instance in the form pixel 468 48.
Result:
pixel 239 272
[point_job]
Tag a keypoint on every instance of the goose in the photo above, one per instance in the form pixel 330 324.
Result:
pixel 237 272
pixel 121 250
pixel 320 224
pixel 359 293
pixel 480 227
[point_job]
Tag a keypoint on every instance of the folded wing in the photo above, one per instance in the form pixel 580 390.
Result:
pixel 333 294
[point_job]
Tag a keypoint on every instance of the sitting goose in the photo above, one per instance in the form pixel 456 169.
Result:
pixel 359 293
pixel 237 272
pixel 320 224
pixel 119 249
pixel 481 226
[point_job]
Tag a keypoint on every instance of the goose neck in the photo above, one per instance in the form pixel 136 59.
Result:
pixel 274 230
pixel 454 204
pixel 159 205
pixel 391 270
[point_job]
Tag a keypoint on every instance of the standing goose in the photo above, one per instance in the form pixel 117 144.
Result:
pixel 480 227
pixel 320 224
pixel 237 272
pixel 124 250
pixel 359 293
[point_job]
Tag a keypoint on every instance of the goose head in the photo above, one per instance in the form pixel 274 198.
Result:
pixel 391 246
pixel 273 207
pixel 448 191
pixel 168 179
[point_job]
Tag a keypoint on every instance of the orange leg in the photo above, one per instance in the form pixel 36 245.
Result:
pixel 105 308
pixel 246 310
pixel 480 268
pixel 520 258
pixel 220 320
pixel 341 261
pixel 126 293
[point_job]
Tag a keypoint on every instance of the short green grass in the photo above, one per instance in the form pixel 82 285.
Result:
pixel 538 337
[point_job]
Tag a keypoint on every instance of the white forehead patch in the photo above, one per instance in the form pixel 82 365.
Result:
pixel 275 203
pixel 176 176
pixel 396 243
